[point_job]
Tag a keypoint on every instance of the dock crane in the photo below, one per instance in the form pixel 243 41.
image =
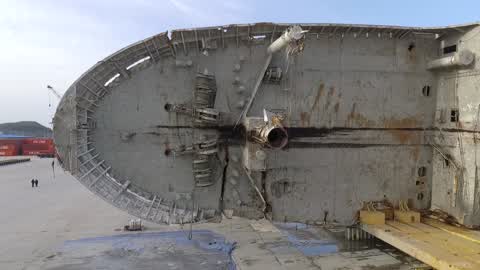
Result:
pixel 49 87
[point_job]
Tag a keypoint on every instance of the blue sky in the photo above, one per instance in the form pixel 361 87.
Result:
pixel 54 42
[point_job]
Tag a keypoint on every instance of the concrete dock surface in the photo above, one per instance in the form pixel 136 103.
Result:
pixel 62 225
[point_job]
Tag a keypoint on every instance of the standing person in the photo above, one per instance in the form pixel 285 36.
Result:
pixel 53 168
pixel 33 182
pixel 36 182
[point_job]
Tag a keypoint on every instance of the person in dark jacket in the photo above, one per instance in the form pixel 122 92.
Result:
pixel 33 182
pixel 36 182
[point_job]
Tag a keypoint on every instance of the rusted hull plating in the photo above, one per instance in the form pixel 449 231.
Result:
pixel 293 122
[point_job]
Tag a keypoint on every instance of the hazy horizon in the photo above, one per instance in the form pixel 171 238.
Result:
pixel 53 42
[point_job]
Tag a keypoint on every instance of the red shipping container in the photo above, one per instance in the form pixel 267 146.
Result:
pixel 38 141
pixel 8 146
pixel 11 141
pixel 35 147
pixel 31 153
pixel 8 152
pixel 37 152
pixel 38 149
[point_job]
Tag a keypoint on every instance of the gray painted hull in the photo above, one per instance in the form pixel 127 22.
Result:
pixel 170 128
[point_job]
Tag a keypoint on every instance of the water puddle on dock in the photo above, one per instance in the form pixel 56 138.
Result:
pixel 328 245
pixel 155 250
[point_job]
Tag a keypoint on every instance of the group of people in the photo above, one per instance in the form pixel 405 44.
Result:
pixel 34 182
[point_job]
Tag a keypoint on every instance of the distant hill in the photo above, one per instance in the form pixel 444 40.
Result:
pixel 25 128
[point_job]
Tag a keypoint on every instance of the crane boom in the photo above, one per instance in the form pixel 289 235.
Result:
pixel 54 92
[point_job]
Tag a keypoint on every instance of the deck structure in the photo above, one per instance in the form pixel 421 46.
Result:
pixel 435 243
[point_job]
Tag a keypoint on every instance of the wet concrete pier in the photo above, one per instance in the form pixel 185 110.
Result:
pixel 61 225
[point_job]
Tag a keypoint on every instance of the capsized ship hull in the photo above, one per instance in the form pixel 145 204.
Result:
pixel 296 122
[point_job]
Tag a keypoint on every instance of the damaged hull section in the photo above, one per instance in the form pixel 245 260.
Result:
pixel 293 122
